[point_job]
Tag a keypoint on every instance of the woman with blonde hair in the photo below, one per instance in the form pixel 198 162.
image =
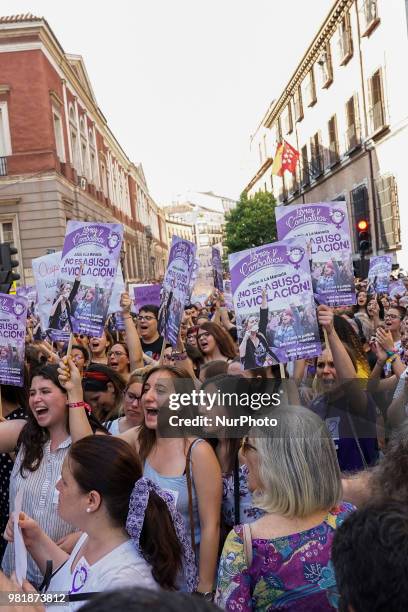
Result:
pixel 282 560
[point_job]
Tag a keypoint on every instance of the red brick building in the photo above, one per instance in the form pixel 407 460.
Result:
pixel 58 158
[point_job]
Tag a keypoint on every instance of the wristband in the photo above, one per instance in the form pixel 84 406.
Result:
pixel 392 358
pixel 80 405
pixel 391 353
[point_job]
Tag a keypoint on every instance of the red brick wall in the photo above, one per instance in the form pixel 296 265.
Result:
pixel 29 105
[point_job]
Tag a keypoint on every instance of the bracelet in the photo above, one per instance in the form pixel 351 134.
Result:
pixel 391 353
pixel 77 404
pixel 392 358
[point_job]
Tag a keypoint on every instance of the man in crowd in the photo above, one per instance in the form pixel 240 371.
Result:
pixel 370 558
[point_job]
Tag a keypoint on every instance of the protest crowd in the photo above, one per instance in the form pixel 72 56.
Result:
pixel 106 504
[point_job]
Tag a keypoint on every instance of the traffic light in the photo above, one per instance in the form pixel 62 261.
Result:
pixel 363 236
pixel 7 276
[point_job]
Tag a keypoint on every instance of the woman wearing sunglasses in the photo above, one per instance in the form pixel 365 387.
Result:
pixel 282 560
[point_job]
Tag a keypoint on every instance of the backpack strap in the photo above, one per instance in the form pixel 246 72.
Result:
pixel 190 496
pixel 236 492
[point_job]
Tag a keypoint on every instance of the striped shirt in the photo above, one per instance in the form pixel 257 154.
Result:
pixel 40 499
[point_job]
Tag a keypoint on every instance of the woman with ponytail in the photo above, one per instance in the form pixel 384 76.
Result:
pixel 57 417
pixel 132 533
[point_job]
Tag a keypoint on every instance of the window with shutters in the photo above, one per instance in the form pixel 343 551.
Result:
pixel 333 141
pixel 297 99
pixel 305 166
pixel 316 158
pixel 345 40
pixel 353 132
pixel 369 16
pixel 376 102
pixel 359 210
pixel 310 89
pixel 287 119
pixel 326 67
pixel 388 221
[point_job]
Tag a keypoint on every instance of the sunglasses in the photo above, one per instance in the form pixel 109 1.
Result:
pixel 247 446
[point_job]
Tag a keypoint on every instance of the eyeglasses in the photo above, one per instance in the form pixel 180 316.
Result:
pixel 246 446
pixel 145 318
pixel 131 397
pixel 116 354
pixel 203 335
pixel 391 316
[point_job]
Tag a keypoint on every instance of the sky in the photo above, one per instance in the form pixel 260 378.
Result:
pixel 184 83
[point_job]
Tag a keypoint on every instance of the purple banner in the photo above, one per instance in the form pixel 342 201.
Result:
pixel 88 270
pixel 13 316
pixel 379 274
pixel 281 325
pixel 175 289
pixel 217 269
pixel 146 294
pixel 325 228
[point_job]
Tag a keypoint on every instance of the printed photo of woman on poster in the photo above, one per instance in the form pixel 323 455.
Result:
pixel 253 349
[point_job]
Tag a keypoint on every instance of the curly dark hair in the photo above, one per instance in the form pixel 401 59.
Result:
pixel 369 554
pixel 33 437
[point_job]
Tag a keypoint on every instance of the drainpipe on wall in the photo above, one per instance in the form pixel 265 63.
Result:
pixel 367 147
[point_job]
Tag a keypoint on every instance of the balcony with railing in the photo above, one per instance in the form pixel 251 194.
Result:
pixel 3 166
pixel 316 166
pixel 353 137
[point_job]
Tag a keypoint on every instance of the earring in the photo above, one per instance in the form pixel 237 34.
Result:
pixel 88 509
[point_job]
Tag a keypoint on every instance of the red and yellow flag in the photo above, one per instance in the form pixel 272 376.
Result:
pixel 286 158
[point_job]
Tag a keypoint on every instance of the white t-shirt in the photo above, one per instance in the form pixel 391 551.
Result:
pixel 122 567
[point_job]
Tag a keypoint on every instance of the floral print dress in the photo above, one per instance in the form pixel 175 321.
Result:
pixel 287 573
pixel 248 513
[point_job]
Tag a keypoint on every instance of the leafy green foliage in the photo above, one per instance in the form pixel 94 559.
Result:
pixel 252 223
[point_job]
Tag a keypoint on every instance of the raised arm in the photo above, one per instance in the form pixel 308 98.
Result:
pixel 345 371
pixel 70 379
pixel 132 337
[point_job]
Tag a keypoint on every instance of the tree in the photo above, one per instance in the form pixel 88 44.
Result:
pixel 252 223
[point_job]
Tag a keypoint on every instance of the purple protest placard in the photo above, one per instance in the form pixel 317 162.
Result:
pixel 204 284
pixel 46 272
pixel 379 273
pixel 281 325
pixel 88 270
pixel 146 294
pixel 325 228
pixel 175 289
pixel 30 294
pixel 217 269
pixel 13 316
pixel 397 288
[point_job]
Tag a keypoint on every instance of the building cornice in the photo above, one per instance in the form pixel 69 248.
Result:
pixel 268 162
pixel 329 26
